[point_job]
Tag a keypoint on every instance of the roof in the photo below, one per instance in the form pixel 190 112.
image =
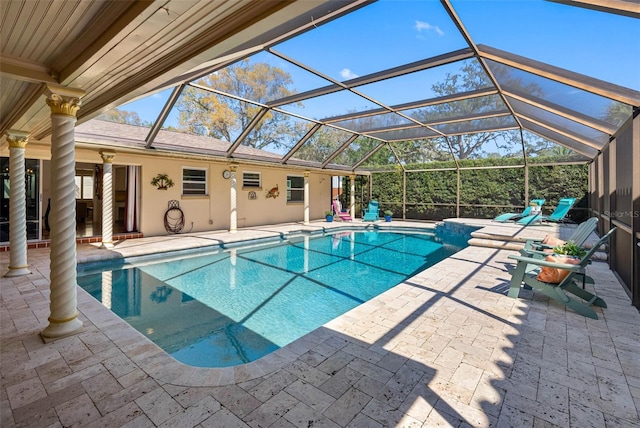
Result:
pixel 102 132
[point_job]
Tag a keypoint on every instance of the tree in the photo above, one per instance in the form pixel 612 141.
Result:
pixel 536 146
pixel 322 144
pixel 464 144
pixel 123 116
pixel 207 113
pixel 617 113
pixel 422 151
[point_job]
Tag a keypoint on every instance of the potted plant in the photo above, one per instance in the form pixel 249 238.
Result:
pixel 570 249
pixel 162 181
pixel 535 208
pixel 388 215
pixel 329 216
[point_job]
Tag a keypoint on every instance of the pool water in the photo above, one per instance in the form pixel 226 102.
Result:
pixel 227 307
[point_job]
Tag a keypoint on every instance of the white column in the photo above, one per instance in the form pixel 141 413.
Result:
pixel 306 253
pixel 107 198
pixel 107 288
pixel 64 104
pixel 352 247
pixel 233 258
pixel 306 197
pixel 233 220
pixel 18 210
pixel 352 199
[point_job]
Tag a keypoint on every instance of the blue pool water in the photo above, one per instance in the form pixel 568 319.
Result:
pixel 221 308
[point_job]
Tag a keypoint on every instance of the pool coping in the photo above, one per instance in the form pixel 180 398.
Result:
pixel 223 246
pixel 230 240
pixel 163 367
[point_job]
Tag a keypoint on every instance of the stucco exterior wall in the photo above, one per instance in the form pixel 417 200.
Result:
pixel 210 212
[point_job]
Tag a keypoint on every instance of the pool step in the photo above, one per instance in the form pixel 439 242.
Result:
pixel 496 243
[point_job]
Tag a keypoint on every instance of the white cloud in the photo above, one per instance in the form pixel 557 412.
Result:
pixel 421 25
pixel 347 74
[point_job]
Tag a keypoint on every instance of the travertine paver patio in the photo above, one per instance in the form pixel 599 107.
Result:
pixel 444 348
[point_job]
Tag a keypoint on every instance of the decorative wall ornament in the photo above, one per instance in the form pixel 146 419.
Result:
pixel 162 182
pixel 273 193
pixel 253 196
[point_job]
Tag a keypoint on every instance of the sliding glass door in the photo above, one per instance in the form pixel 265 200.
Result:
pixel 32 196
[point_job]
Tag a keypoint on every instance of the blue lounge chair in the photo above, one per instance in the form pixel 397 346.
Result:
pixel 523 273
pixel 515 216
pixel 371 213
pixel 557 216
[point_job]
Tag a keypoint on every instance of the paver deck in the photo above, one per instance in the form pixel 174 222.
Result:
pixel 444 348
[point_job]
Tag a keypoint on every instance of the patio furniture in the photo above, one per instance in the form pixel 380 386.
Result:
pixel 337 210
pixel 560 291
pixel 371 213
pixel 538 249
pixel 578 237
pixel 557 216
pixel 503 218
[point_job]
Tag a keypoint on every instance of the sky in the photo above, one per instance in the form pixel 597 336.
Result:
pixel 390 33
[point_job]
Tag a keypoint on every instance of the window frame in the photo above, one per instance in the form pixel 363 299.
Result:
pixel 191 192
pixel 296 189
pixel 249 183
pixel 82 177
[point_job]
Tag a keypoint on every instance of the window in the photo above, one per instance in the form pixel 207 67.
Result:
pixel 295 189
pixel 251 179
pixel 84 186
pixel 194 181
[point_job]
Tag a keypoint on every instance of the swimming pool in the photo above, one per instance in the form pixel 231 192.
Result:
pixel 225 307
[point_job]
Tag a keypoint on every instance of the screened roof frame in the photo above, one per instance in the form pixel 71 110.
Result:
pixel 563 112
pixel 456 20
pixel 555 134
pixel 367 133
pixel 371 78
pixel 416 104
pixel 562 131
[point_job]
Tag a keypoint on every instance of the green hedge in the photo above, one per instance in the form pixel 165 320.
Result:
pixel 561 181
pixel 484 193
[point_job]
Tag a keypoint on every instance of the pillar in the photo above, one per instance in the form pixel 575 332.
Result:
pixel 18 210
pixel 352 196
pixel 233 259
pixel 63 321
pixel 306 197
pixel 107 198
pixel 107 288
pixel 306 253
pixel 352 246
pixel 233 193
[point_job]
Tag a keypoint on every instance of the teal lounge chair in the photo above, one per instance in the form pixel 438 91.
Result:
pixel 557 216
pixel 524 274
pixel 536 249
pixel 515 216
pixel 578 237
pixel 371 212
